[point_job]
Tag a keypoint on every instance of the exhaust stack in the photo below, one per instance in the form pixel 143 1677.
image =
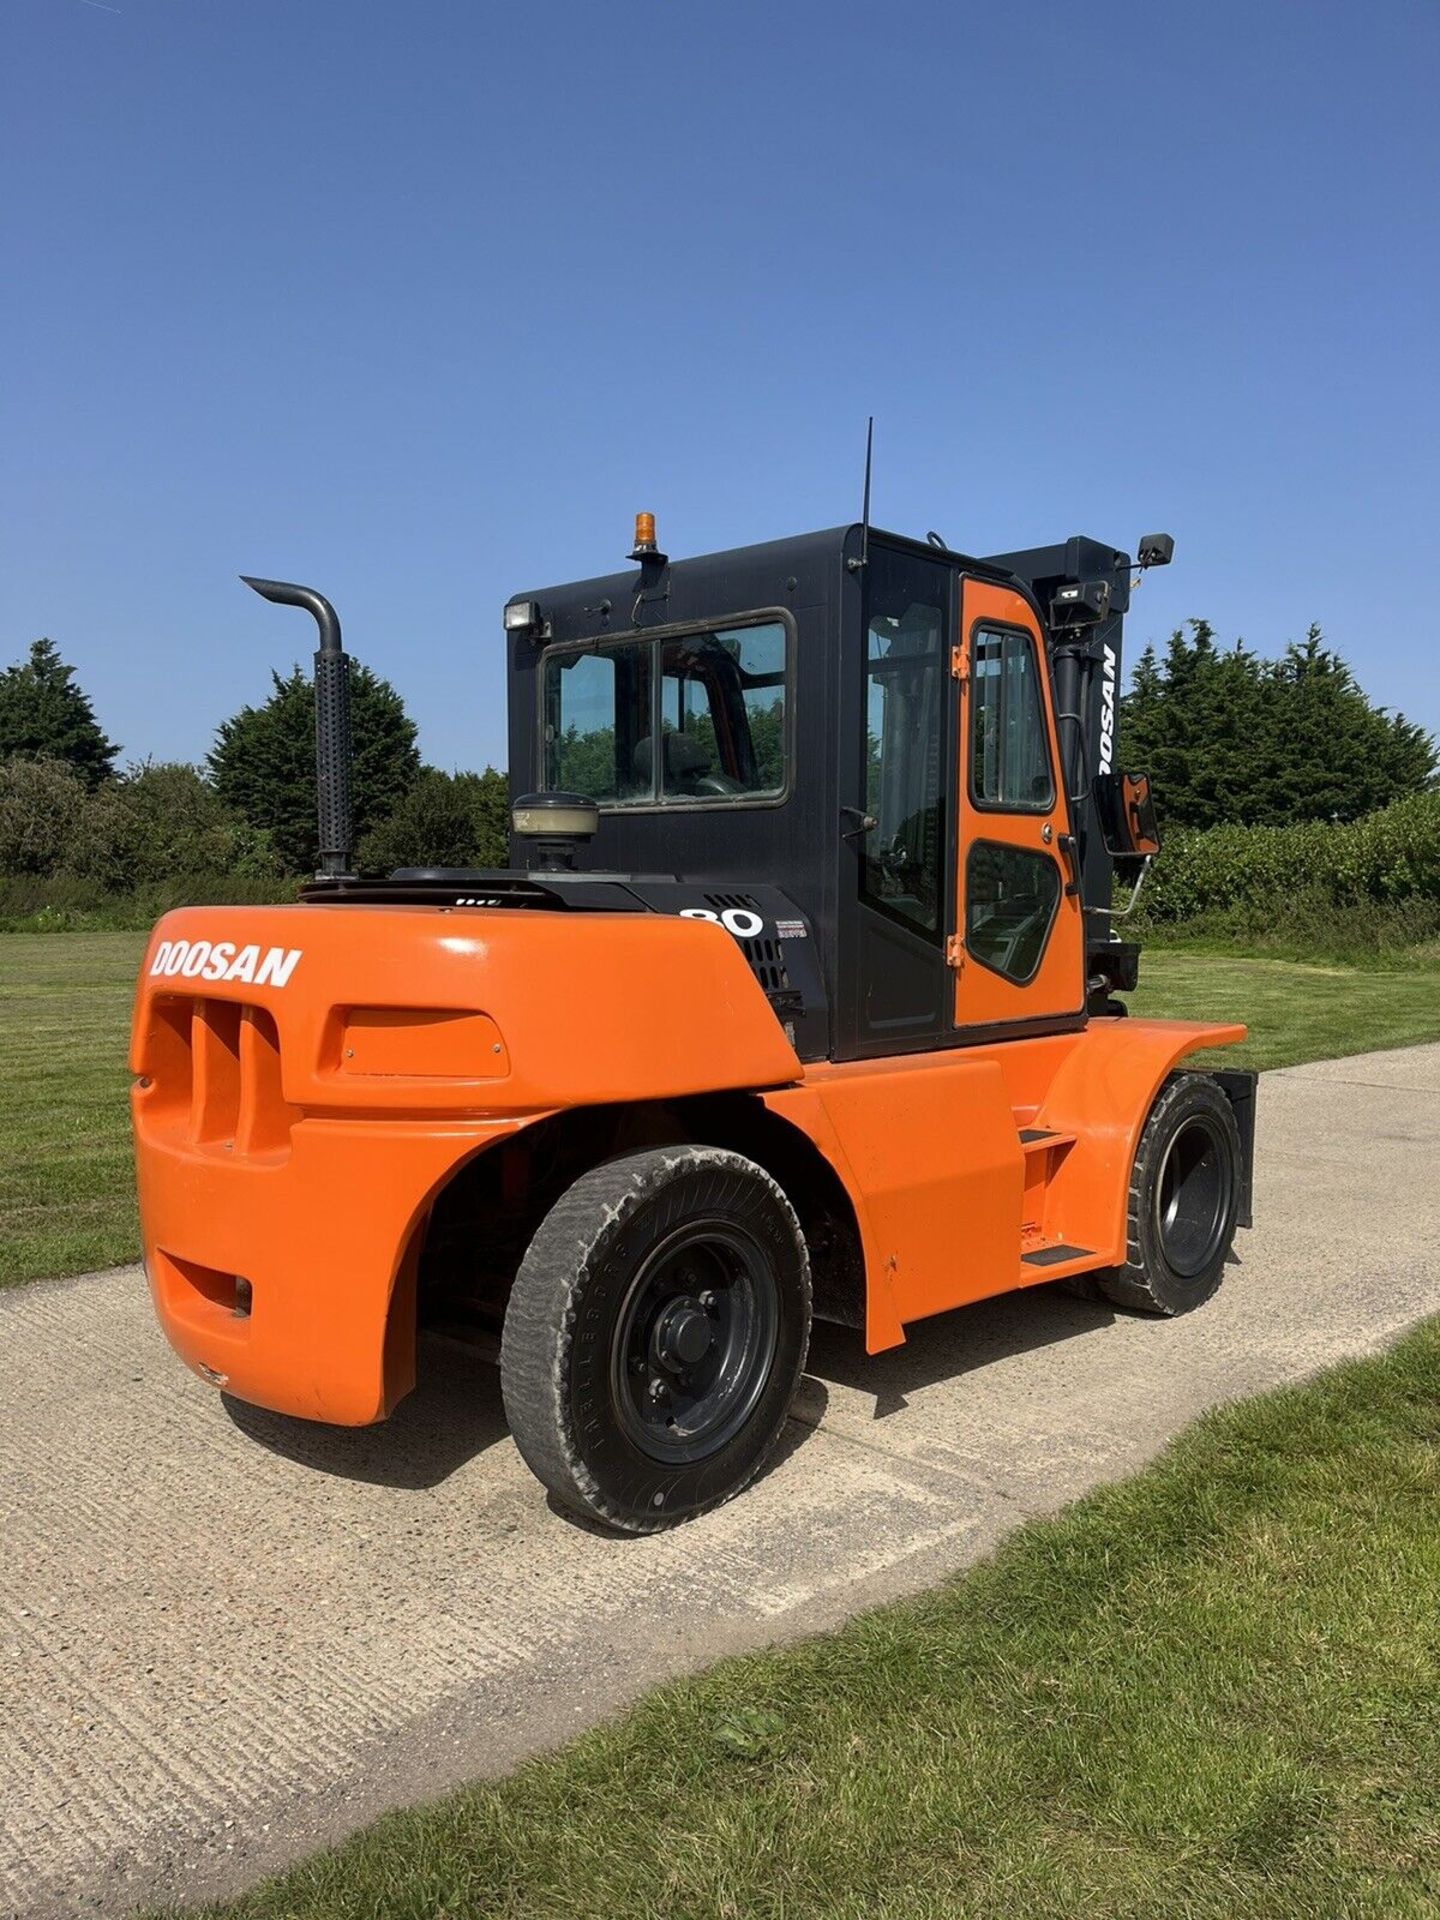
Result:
pixel 332 721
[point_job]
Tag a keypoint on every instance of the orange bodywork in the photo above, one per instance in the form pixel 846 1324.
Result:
pixel 308 1079
pixel 294 1133
pixel 948 1196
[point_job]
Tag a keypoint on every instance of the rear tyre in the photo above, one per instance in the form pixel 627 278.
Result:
pixel 1184 1196
pixel 655 1336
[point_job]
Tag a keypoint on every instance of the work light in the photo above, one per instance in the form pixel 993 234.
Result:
pixel 523 616
pixel 1080 603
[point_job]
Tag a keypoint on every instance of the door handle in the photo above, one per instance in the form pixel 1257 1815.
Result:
pixel 1070 847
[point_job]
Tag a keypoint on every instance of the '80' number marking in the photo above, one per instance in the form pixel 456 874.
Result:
pixel 737 920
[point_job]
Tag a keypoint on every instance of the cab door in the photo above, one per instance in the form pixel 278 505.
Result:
pixel 1019 939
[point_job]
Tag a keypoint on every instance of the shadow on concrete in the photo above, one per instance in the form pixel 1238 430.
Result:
pixel 951 1344
pixel 454 1413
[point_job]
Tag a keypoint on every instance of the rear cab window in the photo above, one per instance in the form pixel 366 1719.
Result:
pixel 716 699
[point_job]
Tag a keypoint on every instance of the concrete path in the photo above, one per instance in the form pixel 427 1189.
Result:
pixel 226 1638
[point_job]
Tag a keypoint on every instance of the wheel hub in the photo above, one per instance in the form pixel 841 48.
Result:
pixel 694 1341
pixel 683 1335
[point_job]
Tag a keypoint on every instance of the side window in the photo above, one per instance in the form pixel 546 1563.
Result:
pixel 1009 750
pixel 722 714
pixel 597 720
pixel 906 679
pixel 1010 899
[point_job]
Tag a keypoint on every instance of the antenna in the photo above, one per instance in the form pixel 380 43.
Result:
pixel 856 565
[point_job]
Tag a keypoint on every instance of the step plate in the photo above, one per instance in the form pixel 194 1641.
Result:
pixel 1052 1256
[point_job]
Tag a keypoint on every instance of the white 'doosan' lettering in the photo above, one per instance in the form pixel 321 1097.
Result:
pixel 221 954
pixel 243 966
pixel 277 966
pixel 219 960
pixel 1107 711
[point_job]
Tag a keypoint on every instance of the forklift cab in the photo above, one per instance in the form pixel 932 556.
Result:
pixel 846 747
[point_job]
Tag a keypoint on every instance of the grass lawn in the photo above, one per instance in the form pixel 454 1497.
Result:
pixel 1209 1693
pixel 67 1200
pixel 66 1204
pixel 1295 1012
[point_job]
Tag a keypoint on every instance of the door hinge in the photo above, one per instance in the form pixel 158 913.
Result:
pixel 955 952
pixel 960 663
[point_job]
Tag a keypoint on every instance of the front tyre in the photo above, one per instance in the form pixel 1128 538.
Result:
pixel 1183 1200
pixel 655 1335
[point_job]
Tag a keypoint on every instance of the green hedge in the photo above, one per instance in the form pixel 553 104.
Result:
pixel 68 904
pixel 160 840
pixel 1387 859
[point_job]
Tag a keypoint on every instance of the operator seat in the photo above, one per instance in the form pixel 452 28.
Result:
pixel 689 767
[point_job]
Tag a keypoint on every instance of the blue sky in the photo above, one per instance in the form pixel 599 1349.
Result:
pixel 418 302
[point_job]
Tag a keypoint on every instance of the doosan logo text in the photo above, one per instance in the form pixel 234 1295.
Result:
pixel 1107 711
pixel 224 960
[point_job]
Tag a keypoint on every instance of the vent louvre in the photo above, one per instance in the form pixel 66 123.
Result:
pixel 762 950
pixel 215 1069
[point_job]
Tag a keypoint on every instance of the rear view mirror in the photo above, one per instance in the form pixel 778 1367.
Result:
pixel 1127 814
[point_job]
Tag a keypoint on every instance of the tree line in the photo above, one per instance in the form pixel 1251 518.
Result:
pixel 68 808
pixel 1229 738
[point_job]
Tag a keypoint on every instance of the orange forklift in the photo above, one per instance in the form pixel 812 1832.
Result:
pixel 802 996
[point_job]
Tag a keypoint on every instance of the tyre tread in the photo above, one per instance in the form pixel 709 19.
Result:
pixel 1133 1284
pixel 540 1322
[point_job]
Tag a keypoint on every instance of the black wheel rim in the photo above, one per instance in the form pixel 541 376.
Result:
pixel 694 1341
pixel 1192 1196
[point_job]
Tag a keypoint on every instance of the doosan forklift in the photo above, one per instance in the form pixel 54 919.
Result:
pixel 802 996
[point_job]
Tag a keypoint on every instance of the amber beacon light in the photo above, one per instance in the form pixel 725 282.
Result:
pixel 644 536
